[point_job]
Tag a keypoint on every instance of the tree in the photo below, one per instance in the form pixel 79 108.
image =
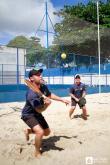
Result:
pixel 77 32
pixel 19 42
pixel 34 50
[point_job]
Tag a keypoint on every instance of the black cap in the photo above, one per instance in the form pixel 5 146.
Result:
pixel 77 76
pixel 34 72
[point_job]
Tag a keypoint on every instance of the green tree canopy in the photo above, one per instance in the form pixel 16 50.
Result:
pixel 34 50
pixel 77 32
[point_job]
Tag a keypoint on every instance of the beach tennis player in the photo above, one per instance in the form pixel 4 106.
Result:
pixel 78 93
pixel 31 113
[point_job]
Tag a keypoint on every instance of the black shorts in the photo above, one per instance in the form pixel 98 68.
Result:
pixel 33 120
pixel 73 103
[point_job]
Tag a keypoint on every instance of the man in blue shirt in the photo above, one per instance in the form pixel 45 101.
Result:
pixel 77 93
pixel 30 114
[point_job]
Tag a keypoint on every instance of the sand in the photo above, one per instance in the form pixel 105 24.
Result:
pixel 72 142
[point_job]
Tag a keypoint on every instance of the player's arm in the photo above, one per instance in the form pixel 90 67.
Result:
pixel 38 104
pixel 84 91
pixel 73 96
pixel 57 98
pixel 84 94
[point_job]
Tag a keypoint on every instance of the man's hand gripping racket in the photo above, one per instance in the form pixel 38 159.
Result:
pixel 47 101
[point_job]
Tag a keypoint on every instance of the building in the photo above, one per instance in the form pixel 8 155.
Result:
pixel 12 65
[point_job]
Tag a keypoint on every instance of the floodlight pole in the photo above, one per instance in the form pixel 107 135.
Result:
pixel 47 37
pixel 46 12
pixel 46 17
pixel 17 64
pixel 98 43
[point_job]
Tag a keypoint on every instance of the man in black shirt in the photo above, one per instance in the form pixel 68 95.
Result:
pixel 30 114
pixel 78 93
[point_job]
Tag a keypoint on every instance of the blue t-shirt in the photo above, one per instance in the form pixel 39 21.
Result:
pixel 34 100
pixel 77 90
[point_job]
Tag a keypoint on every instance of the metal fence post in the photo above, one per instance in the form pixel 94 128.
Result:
pixel 91 79
pixel 17 66
pixel 106 79
pixel 2 74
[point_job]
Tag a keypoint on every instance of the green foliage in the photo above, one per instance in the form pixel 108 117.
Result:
pixel 89 12
pixel 77 32
pixel 19 42
pixel 33 49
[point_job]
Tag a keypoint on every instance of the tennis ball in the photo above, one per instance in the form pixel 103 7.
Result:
pixel 63 55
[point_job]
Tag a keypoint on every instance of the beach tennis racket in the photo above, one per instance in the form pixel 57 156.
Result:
pixel 34 87
pixel 47 101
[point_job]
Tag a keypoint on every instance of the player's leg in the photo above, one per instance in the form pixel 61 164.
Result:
pixel 27 132
pixel 71 111
pixel 84 113
pixel 73 106
pixel 39 133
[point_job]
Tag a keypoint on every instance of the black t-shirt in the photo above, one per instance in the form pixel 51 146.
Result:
pixel 34 100
pixel 78 90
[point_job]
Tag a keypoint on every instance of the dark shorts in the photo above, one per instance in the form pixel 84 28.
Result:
pixel 73 103
pixel 33 120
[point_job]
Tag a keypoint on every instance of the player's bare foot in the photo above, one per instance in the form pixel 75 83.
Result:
pixel 71 116
pixel 37 154
pixel 84 117
pixel 26 132
pixel 71 111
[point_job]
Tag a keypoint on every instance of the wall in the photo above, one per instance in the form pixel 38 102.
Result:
pixel 12 65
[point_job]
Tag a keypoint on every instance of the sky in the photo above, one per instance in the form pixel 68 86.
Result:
pixel 23 17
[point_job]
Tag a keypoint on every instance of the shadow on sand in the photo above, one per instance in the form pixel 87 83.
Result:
pixel 49 144
pixel 80 116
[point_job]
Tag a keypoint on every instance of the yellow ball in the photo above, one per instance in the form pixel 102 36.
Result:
pixel 63 55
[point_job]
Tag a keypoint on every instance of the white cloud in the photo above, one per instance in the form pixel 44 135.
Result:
pixel 23 17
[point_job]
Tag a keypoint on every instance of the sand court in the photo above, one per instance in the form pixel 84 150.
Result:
pixel 75 141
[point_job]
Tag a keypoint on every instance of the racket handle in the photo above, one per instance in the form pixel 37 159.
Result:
pixel 44 96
